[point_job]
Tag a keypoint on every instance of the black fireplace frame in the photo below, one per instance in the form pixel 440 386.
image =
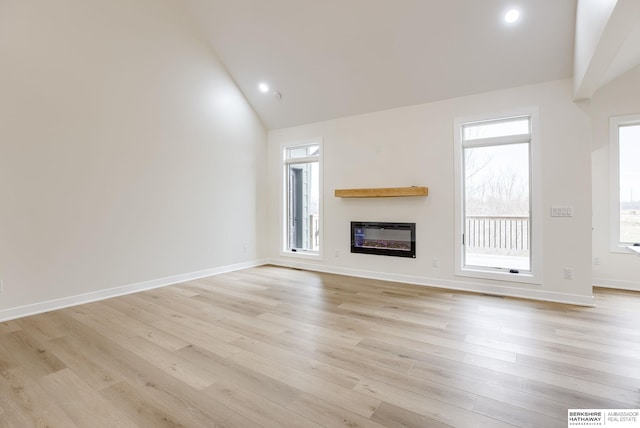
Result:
pixel 383 251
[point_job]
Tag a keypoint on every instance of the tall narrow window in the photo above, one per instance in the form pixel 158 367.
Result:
pixel 625 181
pixel 302 198
pixel 495 222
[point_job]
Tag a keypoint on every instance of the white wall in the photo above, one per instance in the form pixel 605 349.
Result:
pixel 127 154
pixel 414 146
pixel 620 97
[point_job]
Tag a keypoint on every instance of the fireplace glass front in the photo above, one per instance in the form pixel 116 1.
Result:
pixel 384 238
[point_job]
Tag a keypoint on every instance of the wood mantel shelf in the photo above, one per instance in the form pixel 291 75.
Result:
pixel 382 192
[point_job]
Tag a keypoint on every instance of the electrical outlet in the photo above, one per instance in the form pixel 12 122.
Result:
pixel 435 262
pixel 596 261
pixel 568 273
pixel 337 255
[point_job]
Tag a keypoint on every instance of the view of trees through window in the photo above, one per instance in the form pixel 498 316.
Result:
pixel 303 198
pixel 629 149
pixel 497 194
pixel 497 180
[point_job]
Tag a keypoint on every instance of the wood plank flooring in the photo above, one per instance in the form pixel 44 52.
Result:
pixel 275 347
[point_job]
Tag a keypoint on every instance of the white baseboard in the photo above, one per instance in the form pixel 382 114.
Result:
pixel 615 283
pixel 499 290
pixel 65 302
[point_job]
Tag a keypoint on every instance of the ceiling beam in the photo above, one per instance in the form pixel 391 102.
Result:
pixel 601 30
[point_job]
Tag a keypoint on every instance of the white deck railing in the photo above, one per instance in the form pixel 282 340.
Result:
pixel 505 233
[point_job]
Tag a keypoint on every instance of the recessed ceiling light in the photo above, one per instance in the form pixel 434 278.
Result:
pixel 263 87
pixel 511 16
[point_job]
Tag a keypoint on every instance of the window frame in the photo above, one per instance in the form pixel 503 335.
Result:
pixel 284 197
pixel 534 275
pixel 615 123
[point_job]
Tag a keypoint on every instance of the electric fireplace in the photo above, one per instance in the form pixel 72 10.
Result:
pixel 383 238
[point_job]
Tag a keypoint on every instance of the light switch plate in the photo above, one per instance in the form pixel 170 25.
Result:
pixel 563 211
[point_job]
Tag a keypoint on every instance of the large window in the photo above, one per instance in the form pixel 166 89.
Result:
pixel 625 181
pixel 302 180
pixel 495 221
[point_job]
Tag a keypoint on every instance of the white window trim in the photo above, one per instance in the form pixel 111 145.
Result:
pixel 614 180
pixel 284 251
pixel 536 218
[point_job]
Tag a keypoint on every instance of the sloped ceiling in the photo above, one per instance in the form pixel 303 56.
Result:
pixel 336 58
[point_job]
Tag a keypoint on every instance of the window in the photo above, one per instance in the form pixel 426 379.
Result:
pixel 302 178
pixel 497 235
pixel 625 181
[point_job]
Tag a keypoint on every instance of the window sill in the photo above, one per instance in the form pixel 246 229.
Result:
pixel 300 254
pixel 624 249
pixel 526 278
pixel 633 249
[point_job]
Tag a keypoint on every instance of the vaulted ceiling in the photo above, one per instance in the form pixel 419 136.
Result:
pixel 336 58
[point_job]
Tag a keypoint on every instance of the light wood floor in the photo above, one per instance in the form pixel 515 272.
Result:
pixel 278 347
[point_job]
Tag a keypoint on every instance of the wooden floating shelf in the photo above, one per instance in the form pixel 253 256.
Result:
pixel 382 192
